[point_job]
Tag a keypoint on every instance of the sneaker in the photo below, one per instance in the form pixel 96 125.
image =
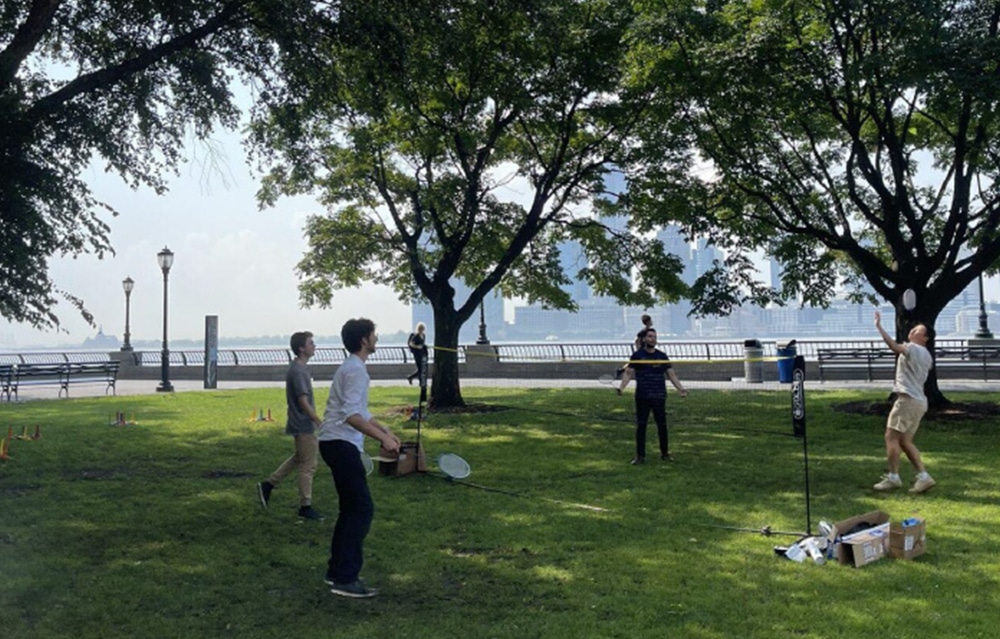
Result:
pixel 888 483
pixel 923 485
pixel 354 590
pixel 638 460
pixel 667 457
pixel 310 513
pixel 264 492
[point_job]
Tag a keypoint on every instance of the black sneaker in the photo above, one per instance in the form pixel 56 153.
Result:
pixel 666 457
pixel 310 513
pixel 354 590
pixel 264 492
pixel 638 460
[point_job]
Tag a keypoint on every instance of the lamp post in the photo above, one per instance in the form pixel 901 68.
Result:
pixel 166 259
pixel 127 285
pixel 984 329
pixel 482 339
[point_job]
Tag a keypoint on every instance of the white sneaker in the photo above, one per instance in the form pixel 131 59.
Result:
pixel 888 483
pixel 923 485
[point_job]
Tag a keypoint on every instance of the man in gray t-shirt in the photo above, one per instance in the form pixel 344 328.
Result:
pixel 913 364
pixel 301 424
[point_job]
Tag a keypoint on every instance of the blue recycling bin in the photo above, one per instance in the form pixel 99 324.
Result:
pixel 786 361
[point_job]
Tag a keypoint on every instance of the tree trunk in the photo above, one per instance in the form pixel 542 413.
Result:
pixel 445 389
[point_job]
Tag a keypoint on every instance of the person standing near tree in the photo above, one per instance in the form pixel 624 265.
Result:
pixel 418 347
pixel 650 366
pixel 647 323
pixel 302 423
pixel 341 442
pixel 913 365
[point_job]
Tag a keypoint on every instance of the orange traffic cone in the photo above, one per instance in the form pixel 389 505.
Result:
pixel 4 449
pixel 38 432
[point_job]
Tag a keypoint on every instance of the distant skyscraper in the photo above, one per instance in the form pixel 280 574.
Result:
pixel 776 271
pixel 572 260
pixel 675 243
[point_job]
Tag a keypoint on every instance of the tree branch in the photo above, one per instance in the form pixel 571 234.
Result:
pixel 108 76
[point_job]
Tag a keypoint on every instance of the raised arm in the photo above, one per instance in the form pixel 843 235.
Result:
pixel 891 343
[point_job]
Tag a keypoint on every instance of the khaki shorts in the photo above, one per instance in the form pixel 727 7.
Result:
pixel 906 414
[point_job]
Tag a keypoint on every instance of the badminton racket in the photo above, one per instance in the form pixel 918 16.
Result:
pixel 369 462
pixel 608 380
pixel 453 466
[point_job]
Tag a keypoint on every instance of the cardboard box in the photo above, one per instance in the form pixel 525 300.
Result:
pixel 409 459
pixel 907 542
pixel 861 540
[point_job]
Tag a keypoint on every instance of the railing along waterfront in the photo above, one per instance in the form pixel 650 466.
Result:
pixel 503 352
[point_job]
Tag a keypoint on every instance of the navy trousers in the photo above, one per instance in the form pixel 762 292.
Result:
pixel 356 510
pixel 643 407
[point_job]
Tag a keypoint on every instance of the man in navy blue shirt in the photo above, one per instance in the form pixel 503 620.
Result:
pixel 649 366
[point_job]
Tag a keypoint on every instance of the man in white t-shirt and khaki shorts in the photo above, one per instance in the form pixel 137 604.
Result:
pixel 913 365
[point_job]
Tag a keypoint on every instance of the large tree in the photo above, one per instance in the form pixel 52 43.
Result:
pixel 854 141
pixel 419 130
pixel 118 83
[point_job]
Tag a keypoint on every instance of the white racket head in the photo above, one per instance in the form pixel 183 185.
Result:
pixel 366 460
pixel 453 466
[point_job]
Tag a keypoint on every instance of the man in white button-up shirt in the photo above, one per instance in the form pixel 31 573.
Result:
pixel 341 442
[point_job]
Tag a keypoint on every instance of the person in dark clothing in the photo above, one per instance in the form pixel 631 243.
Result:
pixel 647 323
pixel 649 366
pixel 418 347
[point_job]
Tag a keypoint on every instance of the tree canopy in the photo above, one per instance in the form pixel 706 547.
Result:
pixel 120 84
pixel 853 141
pixel 421 123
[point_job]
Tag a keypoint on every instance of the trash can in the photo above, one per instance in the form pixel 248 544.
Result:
pixel 753 364
pixel 786 352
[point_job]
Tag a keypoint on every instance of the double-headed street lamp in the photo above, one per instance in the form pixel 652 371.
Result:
pixel 984 329
pixel 166 260
pixel 127 285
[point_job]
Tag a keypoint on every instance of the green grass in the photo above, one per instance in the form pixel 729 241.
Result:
pixel 154 530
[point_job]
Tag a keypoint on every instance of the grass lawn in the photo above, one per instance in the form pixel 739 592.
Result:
pixel 153 530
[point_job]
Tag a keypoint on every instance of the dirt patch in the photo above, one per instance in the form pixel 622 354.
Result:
pixel 469 408
pixel 17 490
pixel 953 412
pixel 225 474
pixel 408 411
pixel 96 473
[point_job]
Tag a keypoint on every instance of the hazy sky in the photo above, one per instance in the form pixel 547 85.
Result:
pixel 230 260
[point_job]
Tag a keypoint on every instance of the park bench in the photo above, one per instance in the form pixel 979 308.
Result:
pixel 63 374
pixel 968 360
pixel 843 363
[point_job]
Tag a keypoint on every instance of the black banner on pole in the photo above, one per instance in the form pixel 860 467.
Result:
pixel 799 397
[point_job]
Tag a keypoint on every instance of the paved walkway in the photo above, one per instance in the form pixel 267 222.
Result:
pixel 127 387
